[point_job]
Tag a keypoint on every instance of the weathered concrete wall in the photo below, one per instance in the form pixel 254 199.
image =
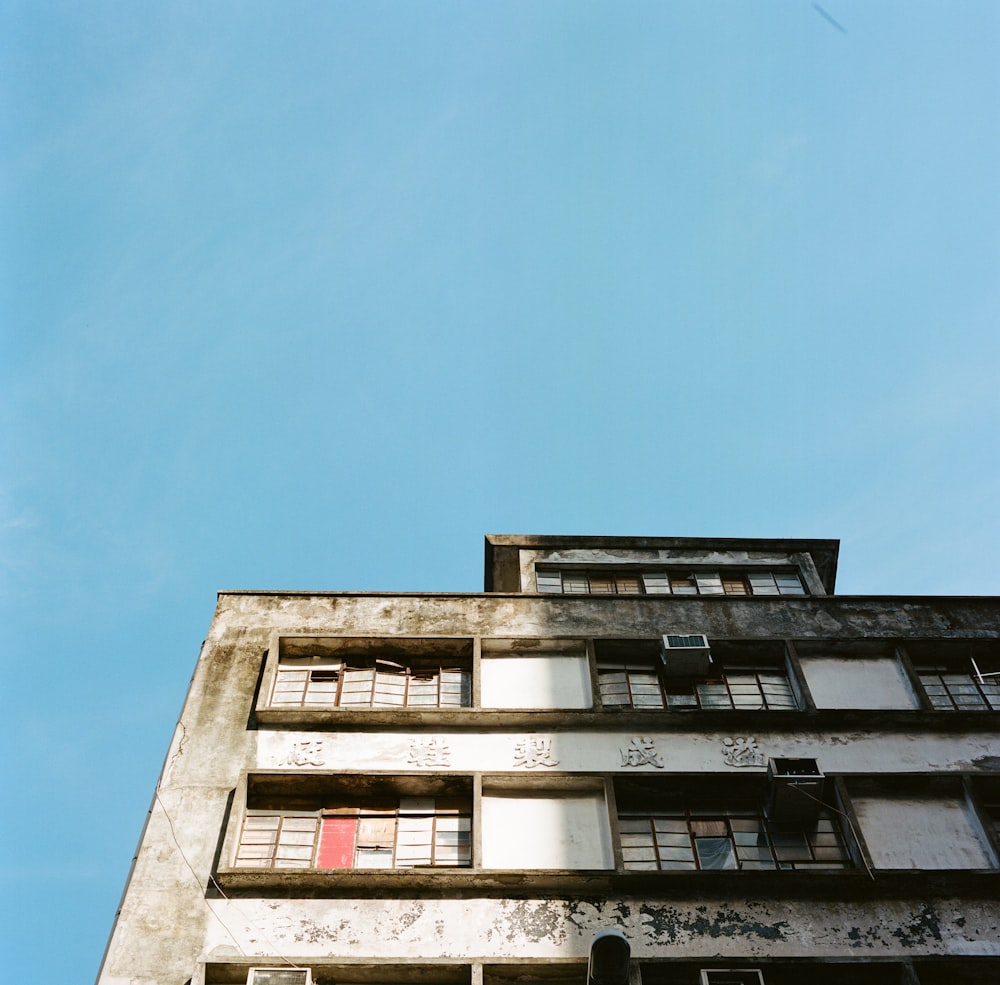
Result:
pixel 167 922
pixel 672 557
pixel 544 928
pixel 605 617
pixel 573 750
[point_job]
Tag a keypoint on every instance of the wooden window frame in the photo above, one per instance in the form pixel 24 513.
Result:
pixel 716 823
pixel 724 677
pixel 362 809
pixel 716 582
pixel 344 669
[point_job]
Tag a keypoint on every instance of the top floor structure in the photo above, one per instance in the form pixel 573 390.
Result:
pixel 737 566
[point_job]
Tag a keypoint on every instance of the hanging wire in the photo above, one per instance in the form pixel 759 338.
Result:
pixel 850 824
pixel 194 874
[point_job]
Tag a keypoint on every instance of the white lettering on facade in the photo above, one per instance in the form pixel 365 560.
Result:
pixel 641 751
pixel 429 752
pixel 531 752
pixel 741 750
pixel 305 754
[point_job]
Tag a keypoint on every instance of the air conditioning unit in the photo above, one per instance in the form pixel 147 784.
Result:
pixel 731 976
pixel 279 976
pixel 795 789
pixel 686 655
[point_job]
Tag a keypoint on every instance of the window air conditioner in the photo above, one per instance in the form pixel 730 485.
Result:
pixel 795 789
pixel 686 655
pixel 279 976
pixel 731 976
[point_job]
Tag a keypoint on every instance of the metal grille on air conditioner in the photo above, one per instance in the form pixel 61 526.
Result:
pixel 686 655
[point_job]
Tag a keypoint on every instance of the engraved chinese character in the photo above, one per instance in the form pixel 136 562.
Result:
pixel 429 752
pixel 305 754
pixel 531 752
pixel 641 752
pixel 742 751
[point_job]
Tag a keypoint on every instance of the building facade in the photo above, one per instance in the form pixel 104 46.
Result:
pixel 695 742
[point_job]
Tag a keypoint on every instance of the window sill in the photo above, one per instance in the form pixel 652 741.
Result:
pixel 348 719
pixel 818 884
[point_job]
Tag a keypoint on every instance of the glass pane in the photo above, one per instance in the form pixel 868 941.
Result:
pixel 549 581
pixel 709 583
pixel 762 583
pixel 713 696
pixel 789 584
pixel 656 583
pixel 715 853
pixel 374 858
pixel 681 701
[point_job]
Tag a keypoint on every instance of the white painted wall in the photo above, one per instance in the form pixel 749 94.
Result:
pixel 608 751
pixel 529 829
pixel 876 682
pixel 542 680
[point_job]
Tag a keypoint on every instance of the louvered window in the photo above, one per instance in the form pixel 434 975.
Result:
pixel 578 581
pixel 952 687
pixel 276 840
pixel 742 838
pixel 361 834
pixel 638 683
pixel 328 682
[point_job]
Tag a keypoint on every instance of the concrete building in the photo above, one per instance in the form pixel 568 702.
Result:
pixel 693 741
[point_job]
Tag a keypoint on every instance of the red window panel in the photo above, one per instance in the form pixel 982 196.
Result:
pixel 336 843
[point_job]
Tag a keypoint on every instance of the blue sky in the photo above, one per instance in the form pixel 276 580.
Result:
pixel 315 294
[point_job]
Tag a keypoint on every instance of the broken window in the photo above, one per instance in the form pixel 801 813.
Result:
pixel 360 833
pixel 631 675
pixel 330 682
pixel 736 837
pixel 961 684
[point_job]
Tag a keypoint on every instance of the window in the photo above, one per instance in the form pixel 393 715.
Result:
pixel 360 833
pixel 274 840
pixel 630 675
pixel 320 970
pixel 340 821
pixel 279 976
pixel 347 673
pixel 738 836
pixel 821 972
pixel 579 581
pixel 958 685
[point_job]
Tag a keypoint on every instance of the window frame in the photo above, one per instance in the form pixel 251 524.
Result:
pixel 321 795
pixel 671 580
pixel 689 804
pixel 986 692
pixel 404 657
pixel 758 659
